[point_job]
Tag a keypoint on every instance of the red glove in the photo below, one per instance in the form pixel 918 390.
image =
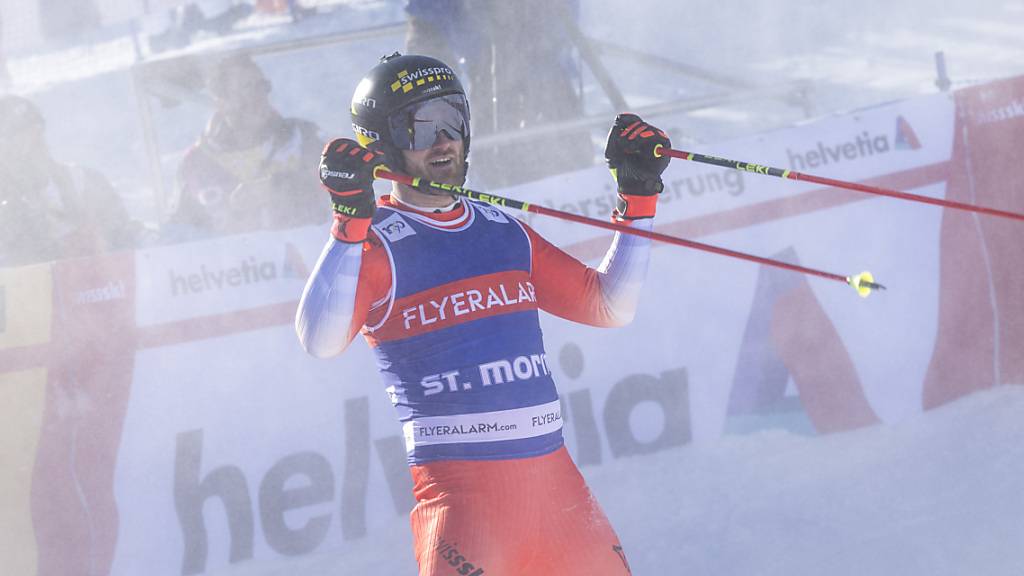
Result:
pixel 637 171
pixel 347 171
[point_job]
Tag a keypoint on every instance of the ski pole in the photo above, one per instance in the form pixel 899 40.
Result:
pixel 863 283
pixel 794 175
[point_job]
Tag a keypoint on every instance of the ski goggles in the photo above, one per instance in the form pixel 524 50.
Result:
pixel 417 126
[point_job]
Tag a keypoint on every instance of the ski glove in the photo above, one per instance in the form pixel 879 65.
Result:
pixel 347 171
pixel 637 171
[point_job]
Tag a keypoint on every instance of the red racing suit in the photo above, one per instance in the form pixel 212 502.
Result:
pixel 449 303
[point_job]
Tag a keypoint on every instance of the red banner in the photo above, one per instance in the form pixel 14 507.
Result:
pixel 980 339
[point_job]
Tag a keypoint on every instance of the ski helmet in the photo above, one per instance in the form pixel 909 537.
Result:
pixel 399 84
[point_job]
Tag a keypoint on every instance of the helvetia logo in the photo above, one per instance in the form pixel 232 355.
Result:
pixel 863 145
pixel 294 266
pixel 906 138
pixel 247 272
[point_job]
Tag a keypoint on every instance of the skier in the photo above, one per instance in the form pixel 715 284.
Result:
pixel 447 293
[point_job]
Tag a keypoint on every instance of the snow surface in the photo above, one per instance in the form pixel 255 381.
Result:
pixel 937 494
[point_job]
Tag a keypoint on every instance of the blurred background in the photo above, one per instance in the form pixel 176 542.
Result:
pixel 123 87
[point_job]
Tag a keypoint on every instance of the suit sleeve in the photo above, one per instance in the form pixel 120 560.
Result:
pixel 349 284
pixel 604 296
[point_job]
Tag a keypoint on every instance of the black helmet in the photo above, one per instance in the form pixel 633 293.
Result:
pixel 400 83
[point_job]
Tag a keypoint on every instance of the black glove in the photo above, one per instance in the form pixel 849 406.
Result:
pixel 637 171
pixel 347 171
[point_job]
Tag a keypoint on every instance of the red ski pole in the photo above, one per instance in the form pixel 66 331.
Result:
pixel 863 283
pixel 793 175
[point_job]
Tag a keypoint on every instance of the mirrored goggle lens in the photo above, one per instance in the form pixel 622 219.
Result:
pixel 416 127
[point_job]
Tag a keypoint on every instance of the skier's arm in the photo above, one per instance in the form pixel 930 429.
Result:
pixel 346 282
pixel 351 274
pixel 326 319
pixel 605 296
pixel 608 296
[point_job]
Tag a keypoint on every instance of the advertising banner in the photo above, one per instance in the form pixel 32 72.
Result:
pixel 161 417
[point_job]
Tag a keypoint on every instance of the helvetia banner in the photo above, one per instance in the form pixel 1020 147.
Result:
pixel 161 417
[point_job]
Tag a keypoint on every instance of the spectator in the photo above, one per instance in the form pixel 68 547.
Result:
pixel 251 168
pixel 513 84
pixel 50 210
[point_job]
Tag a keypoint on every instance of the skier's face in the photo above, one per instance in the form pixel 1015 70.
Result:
pixel 444 162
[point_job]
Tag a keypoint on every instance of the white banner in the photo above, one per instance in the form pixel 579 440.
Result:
pixel 215 440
